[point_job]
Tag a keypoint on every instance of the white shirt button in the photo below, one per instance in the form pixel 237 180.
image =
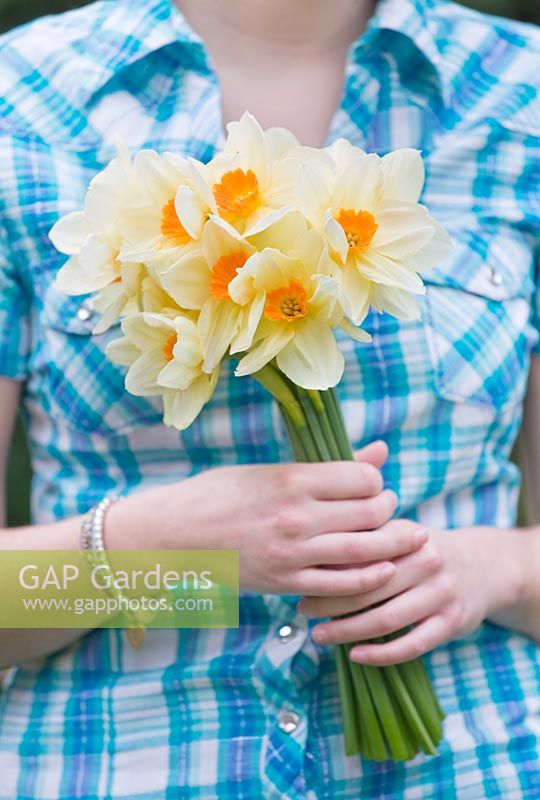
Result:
pixel 495 277
pixel 286 633
pixel 288 721
pixel 86 311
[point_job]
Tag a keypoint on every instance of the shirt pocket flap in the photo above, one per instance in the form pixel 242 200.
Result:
pixel 476 316
pixel 84 389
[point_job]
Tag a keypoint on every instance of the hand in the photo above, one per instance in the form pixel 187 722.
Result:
pixel 288 520
pixel 445 589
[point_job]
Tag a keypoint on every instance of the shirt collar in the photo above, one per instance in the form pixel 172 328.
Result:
pixel 137 28
pixel 411 19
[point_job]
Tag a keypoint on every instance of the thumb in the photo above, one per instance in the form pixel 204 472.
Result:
pixel 374 453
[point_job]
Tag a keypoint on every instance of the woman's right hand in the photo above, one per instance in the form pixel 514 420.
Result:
pixel 306 529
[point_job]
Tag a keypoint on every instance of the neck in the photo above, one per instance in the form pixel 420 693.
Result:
pixel 308 26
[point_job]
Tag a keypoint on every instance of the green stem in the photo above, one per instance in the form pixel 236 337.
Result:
pixel 349 705
pixel 299 451
pixel 318 404
pixel 374 741
pixel 401 694
pixel 337 426
pixel 385 710
pixel 314 425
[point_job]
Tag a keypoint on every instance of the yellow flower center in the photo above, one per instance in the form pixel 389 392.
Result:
pixel 237 195
pixel 360 227
pixel 287 303
pixel 168 347
pixel 171 227
pixel 223 272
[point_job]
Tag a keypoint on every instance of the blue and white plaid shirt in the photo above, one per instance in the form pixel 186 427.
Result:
pixel 199 714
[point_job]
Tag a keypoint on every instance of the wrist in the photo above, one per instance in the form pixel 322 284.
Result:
pixel 513 585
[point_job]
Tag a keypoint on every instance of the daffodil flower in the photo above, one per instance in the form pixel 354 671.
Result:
pixel 200 280
pixel 297 294
pixel 166 218
pixel 251 184
pixel 367 209
pixel 164 357
pixel 91 237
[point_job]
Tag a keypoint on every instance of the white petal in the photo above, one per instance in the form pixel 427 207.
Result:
pixel 199 181
pixel 376 267
pixel 248 324
pixel 190 211
pixel 218 324
pixel 176 376
pixel 148 331
pixel 98 260
pixel 433 254
pixel 219 239
pixel 355 332
pixel 141 378
pixel 122 351
pixel 279 141
pixel 358 186
pixel 355 294
pixel 336 237
pixel 403 229
pixel 263 218
pixel 73 280
pixel 403 172
pixel 246 137
pixel 313 191
pixel 188 281
pixel 265 350
pixel 312 359
pixel 110 314
pixel 182 408
pixel 69 233
pixel 396 302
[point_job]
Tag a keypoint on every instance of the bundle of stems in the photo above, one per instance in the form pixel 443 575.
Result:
pixel 388 712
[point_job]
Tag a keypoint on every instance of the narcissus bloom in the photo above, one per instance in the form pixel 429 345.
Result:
pixel 252 183
pixel 367 208
pixel 297 294
pixel 92 237
pixel 166 218
pixel 164 356
pixel 201 279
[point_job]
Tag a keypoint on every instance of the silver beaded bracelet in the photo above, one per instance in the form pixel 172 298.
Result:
pixel 93 547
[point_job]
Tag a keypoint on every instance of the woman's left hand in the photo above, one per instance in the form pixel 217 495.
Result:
pixel 445 590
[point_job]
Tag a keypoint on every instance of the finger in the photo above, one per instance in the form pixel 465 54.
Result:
pixel 329 582
pixel 398 613
pixel 411 570
pixel 429 634
pixel 361 548
pixel 365 514
pixel 374 453
pixel 341 480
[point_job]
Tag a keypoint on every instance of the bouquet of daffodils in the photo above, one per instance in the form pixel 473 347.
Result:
pixel 260 255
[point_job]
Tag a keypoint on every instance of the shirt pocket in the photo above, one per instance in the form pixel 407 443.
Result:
pixel 476 315
pixel 82 388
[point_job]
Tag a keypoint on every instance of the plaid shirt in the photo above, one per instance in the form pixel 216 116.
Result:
pixel 199 714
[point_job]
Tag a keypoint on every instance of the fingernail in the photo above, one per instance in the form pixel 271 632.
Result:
pixel 319 635
pixel 420 536
pixel 387 571
pixel 357 654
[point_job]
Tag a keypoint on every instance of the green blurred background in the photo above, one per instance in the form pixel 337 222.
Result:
pixel 15 12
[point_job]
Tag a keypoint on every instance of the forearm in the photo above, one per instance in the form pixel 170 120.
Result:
pixel 137 522
pixel 520 605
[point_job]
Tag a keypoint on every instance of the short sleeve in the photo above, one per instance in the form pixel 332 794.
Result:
pixel 14 316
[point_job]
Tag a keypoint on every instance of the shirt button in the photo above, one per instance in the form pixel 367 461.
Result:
pixel 86 311
pixel 288 721
pixel 286 632
pixel 495 277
